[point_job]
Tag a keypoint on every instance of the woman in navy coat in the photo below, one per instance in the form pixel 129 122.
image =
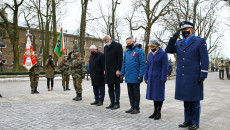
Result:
pixel 156 76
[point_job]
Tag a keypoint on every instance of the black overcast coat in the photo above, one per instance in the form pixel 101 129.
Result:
pixel 113 62
pixel 97 67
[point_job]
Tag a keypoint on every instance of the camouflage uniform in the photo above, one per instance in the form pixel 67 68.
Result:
pixel 66 71
pixel 78 71
pixel 34 76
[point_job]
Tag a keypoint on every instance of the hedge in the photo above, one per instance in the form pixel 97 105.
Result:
pixel 23 73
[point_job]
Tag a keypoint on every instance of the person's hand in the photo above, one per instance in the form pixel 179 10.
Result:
pixel 176 35
pixel 163 82
pixel 118 73
pixel 146 81
pixel 70 53
pixel 140 79
pixel 201 80
pixel 121 79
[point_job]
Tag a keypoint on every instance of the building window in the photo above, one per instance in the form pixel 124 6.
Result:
pixel 3 34
pixel 99 44
pixel 4 61
pixel 84 53
pixel 85 43
pixel 12 62
pixel 65 40
pixel 75 42
pixel 3 46
pixel 0 33
pixel 41 51
pixel 91 43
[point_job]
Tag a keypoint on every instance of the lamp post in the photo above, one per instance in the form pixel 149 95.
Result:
pixel 1 45
pixel 1 59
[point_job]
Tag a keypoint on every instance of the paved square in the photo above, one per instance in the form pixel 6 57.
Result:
pixel 55 110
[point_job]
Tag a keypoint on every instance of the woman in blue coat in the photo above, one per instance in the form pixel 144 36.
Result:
pixel 156 76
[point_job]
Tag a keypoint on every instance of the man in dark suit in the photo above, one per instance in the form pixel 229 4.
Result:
pixel 113 62
pixel 192 69
pixel 97 67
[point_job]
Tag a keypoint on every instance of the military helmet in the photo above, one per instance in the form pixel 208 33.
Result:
pixel 76 50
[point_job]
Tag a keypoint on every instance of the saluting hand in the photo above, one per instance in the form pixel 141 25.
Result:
pixel 118 73
pixel 176 35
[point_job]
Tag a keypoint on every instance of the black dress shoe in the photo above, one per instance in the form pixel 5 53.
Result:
pixel 153 115
pixel 193 127
pixel 100 104
pixel 94 103
pixel 158 116
pixel 130 110
pixel 185 124
pixel 110 106
pixel 135 111
pixel 115 107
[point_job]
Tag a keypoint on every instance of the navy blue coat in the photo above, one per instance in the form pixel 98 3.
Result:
pixel 155 72
pixel 192 63
pixel 133 65
pixel 169 69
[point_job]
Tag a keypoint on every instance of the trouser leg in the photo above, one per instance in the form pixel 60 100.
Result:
pixel 117 93
pixel 196 109
pixel 131 95
pixel 79 85
pixel 96 92
pixel 52 82
pixel 111 93
pixel 136 91
pixel 188 111
pixel 48 82
pixel 101 93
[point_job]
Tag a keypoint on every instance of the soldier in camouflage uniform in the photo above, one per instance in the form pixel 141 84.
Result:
pixel 64 67
pixel 34 75
pixel 78 71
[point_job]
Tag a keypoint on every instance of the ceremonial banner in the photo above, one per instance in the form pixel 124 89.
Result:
pixel 60 47
pixel 29 58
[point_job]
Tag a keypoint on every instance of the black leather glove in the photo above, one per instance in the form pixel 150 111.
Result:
pixel 163 82
pixel 121 79
pixel 70 53
pixel 146 81
pixel 29 73
pixel 201 80
pixel 176 35
pixel 140 79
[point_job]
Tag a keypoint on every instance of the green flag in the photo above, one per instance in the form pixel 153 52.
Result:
pixel 60 48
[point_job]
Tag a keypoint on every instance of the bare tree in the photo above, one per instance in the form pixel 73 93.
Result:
pixel 12 29
pixel 152 12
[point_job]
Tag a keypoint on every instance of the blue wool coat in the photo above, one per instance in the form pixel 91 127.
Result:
pixel 169 69
pixel 155 72
pixel 133 65
pixel 192 63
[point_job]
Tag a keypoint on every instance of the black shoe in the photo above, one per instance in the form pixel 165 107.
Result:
pixel 193 127
pixel 153 115
pixel 32 91
pixel 130 110
pixel 94 103
pixel 67 87
pixel 115 107
pixel 110 106
pixel 36 91
pixel 64 88
pixel 78 98
pixel 0 95
pixel 135 111
pixel 158 116
pixel 185 124
pixel 100 104
pixel 75 98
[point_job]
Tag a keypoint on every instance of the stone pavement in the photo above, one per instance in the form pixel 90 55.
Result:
pixel 55 110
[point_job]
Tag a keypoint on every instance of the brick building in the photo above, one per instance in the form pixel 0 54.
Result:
pixel 71 38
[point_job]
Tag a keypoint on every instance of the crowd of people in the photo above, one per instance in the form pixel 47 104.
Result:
pixel 113 68
pixel 224 66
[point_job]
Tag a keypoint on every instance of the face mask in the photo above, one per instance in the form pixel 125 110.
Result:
pixel 108 43
pixel 130 46
pixel 153 50
pixel 185 33
pixel 93 53
pixel 76 55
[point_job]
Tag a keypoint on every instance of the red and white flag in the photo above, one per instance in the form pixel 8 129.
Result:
pixel 29 57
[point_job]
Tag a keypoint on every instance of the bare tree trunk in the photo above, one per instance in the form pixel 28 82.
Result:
pixel 84 4
pixel 54 28
pixel 47 33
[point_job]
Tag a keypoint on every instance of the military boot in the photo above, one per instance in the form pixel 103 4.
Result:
pixel 75 97
pixel 67 87
pixel 0 95
pixel 35 90
pixel 32 90
pixel 64 88
pixel 79 97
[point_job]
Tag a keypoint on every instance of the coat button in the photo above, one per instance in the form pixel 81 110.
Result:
pixel 182 74
pixel 183 66
pixel 183 58
pixel 184 51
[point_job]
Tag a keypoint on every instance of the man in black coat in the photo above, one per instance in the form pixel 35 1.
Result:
pixel 97 67
pixel 113 62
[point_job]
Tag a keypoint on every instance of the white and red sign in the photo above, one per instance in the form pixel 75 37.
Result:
pixel 29 58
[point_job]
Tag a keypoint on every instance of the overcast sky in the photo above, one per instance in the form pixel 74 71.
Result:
pixel 71 20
